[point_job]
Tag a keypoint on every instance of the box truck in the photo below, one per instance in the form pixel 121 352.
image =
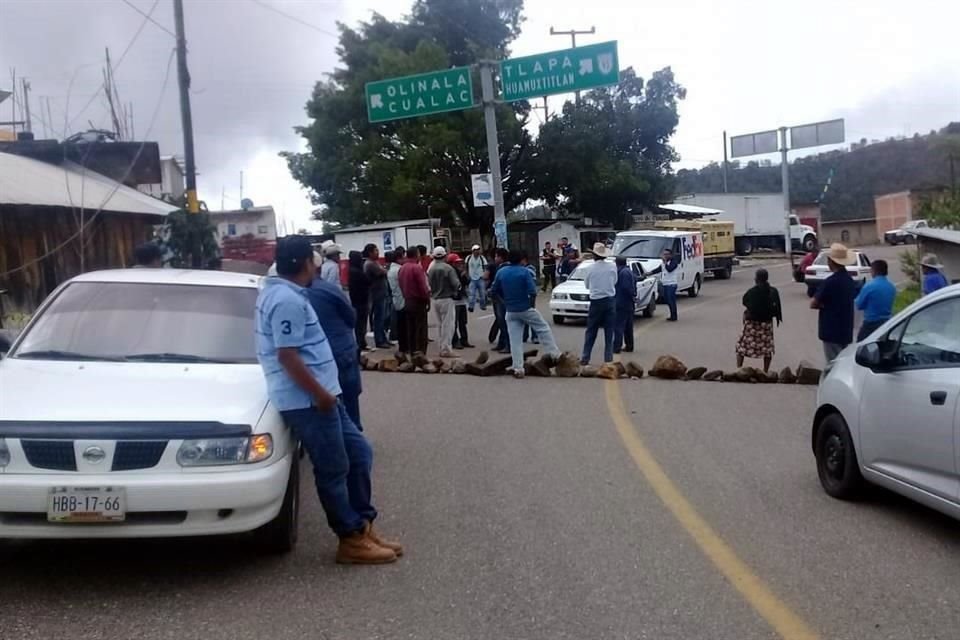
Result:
pixel 757 219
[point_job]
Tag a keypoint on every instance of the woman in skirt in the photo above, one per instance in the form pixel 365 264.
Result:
pixel 761 305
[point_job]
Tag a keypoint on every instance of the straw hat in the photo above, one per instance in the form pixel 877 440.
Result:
pixel 330 248
pixel 931 260
pixel 841 255
pixel 600 250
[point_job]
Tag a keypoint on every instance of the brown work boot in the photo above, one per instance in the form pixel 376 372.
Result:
pixel 396 547
pixel 358 548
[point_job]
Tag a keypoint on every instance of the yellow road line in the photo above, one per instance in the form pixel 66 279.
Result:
pixel 777 614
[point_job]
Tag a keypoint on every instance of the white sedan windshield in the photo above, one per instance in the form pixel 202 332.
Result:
pixel 145 322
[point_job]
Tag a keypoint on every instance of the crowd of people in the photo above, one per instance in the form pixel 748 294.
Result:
pixel 310 335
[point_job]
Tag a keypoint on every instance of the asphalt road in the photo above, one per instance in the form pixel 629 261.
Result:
pixel 550 509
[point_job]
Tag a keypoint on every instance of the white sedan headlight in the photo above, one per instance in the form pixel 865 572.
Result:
pixel 560 296
pixel 4 453
pixel 214 452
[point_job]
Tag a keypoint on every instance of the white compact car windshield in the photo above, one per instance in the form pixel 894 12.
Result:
pixel 145 322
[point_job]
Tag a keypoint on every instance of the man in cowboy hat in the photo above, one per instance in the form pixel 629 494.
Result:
pixel 933 277
pixel 835 299
pixel 330 269
pixel 601 280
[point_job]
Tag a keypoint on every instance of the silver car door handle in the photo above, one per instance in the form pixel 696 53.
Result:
pixel 938 398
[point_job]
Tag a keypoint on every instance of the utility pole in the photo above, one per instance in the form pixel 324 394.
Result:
pixel 573 33
pixel 493 151
pixel 26 105
pixel 785 176
pixel 725 162
pixel 186 120
pixel 545 107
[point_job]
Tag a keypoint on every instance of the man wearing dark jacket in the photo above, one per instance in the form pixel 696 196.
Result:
pixel 359 286
pixel 626 301
pixel 338 320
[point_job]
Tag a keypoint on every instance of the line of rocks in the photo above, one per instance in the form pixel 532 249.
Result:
pixel 567 365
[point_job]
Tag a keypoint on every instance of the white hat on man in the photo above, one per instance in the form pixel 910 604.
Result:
pixel 841 255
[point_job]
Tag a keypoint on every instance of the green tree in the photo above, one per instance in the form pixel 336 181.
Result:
pixel 189 240
pixel 611 154
pixel 363 173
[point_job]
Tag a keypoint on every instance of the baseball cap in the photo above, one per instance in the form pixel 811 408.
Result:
pixel 475 247
pixel 439 252
pixel 454 258
pixel 292 253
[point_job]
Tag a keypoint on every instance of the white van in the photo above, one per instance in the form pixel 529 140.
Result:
pixel 647 246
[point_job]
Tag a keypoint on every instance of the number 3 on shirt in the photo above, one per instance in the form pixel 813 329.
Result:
pixel 286 329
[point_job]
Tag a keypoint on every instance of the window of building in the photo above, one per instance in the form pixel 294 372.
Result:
pixel 844 236
pixel 231 229
pixel 262 229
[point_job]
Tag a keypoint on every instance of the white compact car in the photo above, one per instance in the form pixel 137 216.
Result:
pixel 819 271
pixel 571 298
pixel 888 410
pixel 132 405
pixel 905 233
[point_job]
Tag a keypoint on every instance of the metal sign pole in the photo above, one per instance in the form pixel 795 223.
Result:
pixel 493 151
pixel 785 177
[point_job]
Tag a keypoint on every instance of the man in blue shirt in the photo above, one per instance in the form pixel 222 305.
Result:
pixel 834 299
pixel 626 305
pixel 875 300
pixel 515 287
pixel 933 277
pixel 338 321
pixel 601 281
pixel 302 383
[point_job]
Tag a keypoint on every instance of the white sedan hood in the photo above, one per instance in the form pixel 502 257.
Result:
pixel 118 391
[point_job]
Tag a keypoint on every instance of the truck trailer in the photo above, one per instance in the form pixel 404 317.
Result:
pixel 757 220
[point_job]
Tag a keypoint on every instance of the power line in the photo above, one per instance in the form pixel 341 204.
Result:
pixel 147 16
pixel 119 183
pixel 294 18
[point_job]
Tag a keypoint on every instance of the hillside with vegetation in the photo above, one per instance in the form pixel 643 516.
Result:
pixel 855 175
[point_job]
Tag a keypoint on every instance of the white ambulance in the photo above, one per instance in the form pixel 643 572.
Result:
pixel 647 246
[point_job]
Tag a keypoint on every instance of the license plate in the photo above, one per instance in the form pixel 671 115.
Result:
pixel 582 307
pixel 86 504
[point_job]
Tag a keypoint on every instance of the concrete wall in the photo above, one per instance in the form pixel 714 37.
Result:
pixel 852 233
pixel 948 252
pixel 892 210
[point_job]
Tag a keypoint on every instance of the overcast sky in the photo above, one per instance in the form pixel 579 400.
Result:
pixel 890 68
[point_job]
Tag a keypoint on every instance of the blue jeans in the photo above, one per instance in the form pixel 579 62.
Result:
pixel 348 368
pixel 378 309
pixel 602 314
pixel 670 297
pixel 517 321
pixel 623 334
pixel 478 287
pixel 341 459
pixel 503 338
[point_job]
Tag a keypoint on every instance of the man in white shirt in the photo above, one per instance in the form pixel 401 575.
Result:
pixel 668 280
pixel 601 280
pixel 476 271
pixel 330 269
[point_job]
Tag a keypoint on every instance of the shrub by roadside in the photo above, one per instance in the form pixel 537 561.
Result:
pixel 905 297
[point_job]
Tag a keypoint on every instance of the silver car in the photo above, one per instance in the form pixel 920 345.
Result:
pixel 888 410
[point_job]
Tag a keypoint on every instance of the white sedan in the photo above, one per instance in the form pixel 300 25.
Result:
pixel 571 299
pixel 819 271
pixel 133 406
pixel 888 409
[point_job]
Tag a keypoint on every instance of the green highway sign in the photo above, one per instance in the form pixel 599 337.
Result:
pixel 420 95
pixel 566 71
